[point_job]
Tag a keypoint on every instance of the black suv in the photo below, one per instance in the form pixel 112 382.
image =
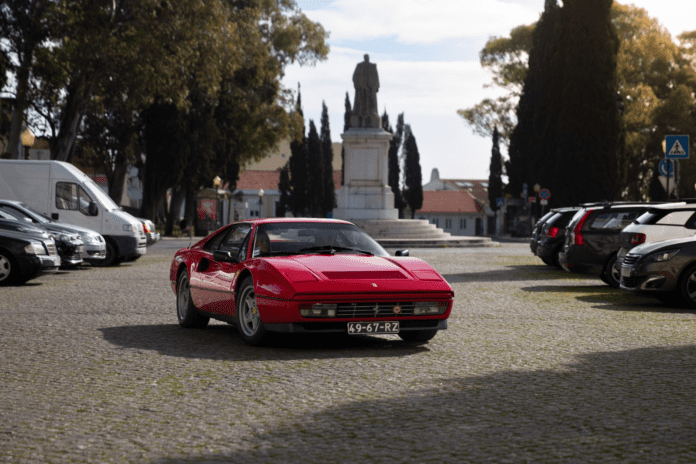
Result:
pixel 536 233
pixel 592 239
pixel 552 235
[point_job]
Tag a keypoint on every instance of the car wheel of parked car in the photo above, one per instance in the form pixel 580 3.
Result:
pixel 687 286
pixel 186 311
pixel 417 336
pixel 612 274
pixel 555 259
pixel 111 257
pixel 547 262
pixel 248 318
pixel 8 269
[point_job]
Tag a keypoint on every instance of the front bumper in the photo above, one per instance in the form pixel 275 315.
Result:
pixel 653 277
pixel 50 263
pixel 94 251
pixel 342 327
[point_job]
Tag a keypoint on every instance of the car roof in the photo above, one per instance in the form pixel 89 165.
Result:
pixel 291 220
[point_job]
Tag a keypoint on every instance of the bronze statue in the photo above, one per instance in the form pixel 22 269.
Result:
pixel 366 82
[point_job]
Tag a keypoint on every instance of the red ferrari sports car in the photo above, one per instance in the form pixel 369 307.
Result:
pixel 298 275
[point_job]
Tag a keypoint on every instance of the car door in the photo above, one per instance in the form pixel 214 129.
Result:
pixel 216 293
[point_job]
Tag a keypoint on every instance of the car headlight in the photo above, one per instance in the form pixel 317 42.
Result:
pixel 318 310
pixel 661 256
pixel 130 228
pixel 89 239
pixel 421 308
pixel 35 248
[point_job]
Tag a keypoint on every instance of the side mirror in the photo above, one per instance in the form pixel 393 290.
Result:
pixel 401 253
pixel 224 257
pixel 93 210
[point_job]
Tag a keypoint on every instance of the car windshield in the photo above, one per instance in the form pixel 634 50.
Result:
pixel 293 238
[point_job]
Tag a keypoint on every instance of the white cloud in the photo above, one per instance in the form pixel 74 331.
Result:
pixel 417 21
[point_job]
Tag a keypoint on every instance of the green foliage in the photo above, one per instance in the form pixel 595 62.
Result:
pixel 315 173
pixel 413 180
pixel 329 196
pixel 299 158
pixel 346 126
pixel 394 173
pixel 495 180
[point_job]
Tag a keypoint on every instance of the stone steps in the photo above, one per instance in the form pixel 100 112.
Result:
pixel 416 233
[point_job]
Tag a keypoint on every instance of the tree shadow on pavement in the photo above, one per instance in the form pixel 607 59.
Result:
pixel 626 406
pixel 222 342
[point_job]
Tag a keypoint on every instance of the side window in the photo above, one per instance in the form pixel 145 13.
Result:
pixel 66 195
pixel 691 222
pixel 676 218
pixel 614 221
pixel 235 239
pixel 84 200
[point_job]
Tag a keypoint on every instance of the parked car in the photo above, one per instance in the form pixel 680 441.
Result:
pixel 552 236
pixel 536 232
pixel 299 275
pixel 659 223
pixel 150 231
pixel 592 239
pixel 69 246
pixel 666 270
pixel 25 256
pixel 94 248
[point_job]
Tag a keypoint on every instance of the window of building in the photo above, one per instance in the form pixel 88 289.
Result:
pixel 462 223
pixel 448 223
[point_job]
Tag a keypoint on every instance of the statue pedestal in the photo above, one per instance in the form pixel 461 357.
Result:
pixel 366 193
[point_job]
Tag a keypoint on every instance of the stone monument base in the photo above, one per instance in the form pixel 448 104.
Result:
pixel 360 203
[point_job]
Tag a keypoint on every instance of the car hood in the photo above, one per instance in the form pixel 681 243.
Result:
pixel 673 244
pixel 24 228
pixel 69 228
pixel 355 274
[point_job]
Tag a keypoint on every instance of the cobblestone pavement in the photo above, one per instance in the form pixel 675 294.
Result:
pixel 537 366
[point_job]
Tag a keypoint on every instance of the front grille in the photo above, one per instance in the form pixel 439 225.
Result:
pixel 630 260
pixel 52 249
pixel 629 282
pixel 369 310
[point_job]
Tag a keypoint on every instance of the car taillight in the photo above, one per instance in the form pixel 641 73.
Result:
pixel 578 239
pixel 637 239
pixel 553 231
pixel 145 228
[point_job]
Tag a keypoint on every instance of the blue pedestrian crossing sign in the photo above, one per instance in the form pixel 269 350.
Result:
pixel 677 146
pixel 500 202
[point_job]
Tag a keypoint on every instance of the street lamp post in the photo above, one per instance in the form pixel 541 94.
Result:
pixel 27 138
pixel 260 202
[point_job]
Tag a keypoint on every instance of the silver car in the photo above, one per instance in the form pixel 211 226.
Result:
pixel 94 245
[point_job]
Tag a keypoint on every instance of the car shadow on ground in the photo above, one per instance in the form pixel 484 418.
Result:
pixel 622 406
pixel 602 296
pixel 516 273
pixel 223 342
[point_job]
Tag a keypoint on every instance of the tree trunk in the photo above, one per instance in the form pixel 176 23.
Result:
pixel 78 94
pixel 118 179
pixel 20 105
pixel 174 208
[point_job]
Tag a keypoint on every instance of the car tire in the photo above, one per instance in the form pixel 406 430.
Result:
pixel 613 276
pixel 547 261
pixel 9 270
pixel 186 311
pixel 556 259
pixel 111 258
pixel 687 286
pixel 249 323
pixel 417 336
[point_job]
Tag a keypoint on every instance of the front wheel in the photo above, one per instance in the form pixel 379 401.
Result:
pixel 186 311
pixel 8 269
pixel 111 258
pixel 688 286
pixel 249 322
pixel 612 274
pixel 417 336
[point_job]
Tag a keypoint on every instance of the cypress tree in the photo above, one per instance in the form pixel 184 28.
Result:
pixel 298 167
pixel 346 126
pixel 532 140
pixel 495 181
pixel 329 199
pixel 413 192
pixel 315 172
pixel 285 203
pixel 590 132
pixel 394 174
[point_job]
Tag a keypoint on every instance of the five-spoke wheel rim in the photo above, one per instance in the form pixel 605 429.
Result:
pixel 5 268
pixel 249 319
pixel 183 297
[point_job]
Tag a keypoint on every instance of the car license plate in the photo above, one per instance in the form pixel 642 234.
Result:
pixel 361 328
pixel 625 271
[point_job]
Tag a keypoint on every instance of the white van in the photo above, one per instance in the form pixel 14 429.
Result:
pixel 66 194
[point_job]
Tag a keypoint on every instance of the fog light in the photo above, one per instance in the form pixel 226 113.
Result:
pixel 429 307
pixel 318 310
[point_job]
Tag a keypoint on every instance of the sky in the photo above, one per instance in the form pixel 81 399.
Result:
pixel 427 56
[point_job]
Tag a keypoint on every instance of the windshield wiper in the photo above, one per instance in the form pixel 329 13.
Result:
pixel 333 249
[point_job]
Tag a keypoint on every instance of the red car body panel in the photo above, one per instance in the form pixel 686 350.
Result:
pixel 282 283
